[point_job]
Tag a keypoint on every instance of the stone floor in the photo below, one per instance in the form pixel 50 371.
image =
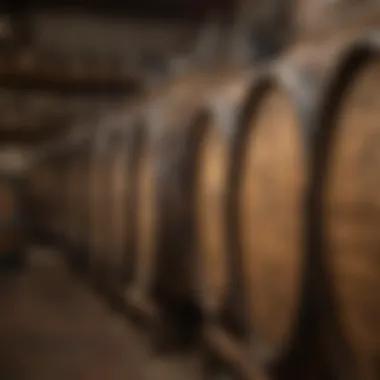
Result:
pixel 53 327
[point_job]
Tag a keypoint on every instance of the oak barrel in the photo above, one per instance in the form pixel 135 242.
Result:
pixel 351 206
pixel 163 282
pixel 270 219
pixel 122 161
pixel 215 134
pixel 211 213
pixel 249 191
pixel 145 197
pixel 99 198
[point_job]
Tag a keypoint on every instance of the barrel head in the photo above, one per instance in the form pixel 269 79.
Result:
pixel 270 220
pixel 352 216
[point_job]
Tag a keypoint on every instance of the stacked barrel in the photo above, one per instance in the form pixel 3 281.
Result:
pixel 244 200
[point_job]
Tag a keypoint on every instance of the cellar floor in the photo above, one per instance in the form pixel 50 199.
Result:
pixel 52 326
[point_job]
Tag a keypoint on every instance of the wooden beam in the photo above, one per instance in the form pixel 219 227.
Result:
pixel 66 82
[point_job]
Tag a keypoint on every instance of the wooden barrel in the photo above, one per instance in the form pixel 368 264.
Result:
pixel 215 134
pixel 271 218
pixel 164 269
pixel 119 241
pixel 211 206
pixel 11 230
pixel 250 192
pixel 58 184
pixel 115 197
pixel 139 292
pixel 99 198
pixel 350 206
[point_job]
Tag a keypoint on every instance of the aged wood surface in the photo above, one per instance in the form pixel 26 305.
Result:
pixel 270 209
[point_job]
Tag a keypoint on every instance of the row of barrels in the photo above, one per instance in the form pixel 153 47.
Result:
pixel 250 196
